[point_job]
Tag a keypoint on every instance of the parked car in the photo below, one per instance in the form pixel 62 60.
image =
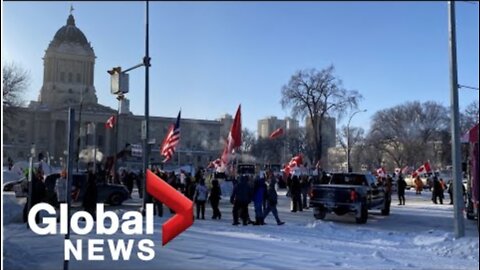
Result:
pixel 112 194
pixel 425 180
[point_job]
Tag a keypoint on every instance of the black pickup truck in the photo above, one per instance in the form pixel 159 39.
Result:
pixel 342 193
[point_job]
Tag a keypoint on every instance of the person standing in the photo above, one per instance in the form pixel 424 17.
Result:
pixel 259 191
pixel 201 195
pixel 90 198
pixel 296 194
pixel 304 186
pixel 215 196
pixel 437 191
pixel 38 194
pixel 272 199
pixel 240 198
pixel 401 186
pixel 418 185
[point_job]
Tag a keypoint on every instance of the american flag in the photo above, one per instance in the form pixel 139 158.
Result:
pixel 172 140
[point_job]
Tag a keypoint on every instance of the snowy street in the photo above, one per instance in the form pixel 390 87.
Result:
pixel 418 235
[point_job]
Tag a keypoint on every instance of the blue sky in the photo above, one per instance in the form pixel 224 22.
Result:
pixel 208 57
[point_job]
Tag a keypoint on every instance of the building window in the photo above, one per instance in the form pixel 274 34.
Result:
pixel 199 159
pixel 62 76
pixel 22 137
pixel 70 90
pixel 79 78
pixel 22 123
pixel 70 77
pixel 20 155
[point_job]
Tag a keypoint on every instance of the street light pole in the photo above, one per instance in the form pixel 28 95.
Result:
pixel 146 149
pixel 348 138
pixel 459 226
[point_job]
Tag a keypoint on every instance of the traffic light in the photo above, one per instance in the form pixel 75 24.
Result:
pixel 119 81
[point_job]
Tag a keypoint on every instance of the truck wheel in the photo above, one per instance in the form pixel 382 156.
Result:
pixel 115 199
pixel 363 215
pixel 319 213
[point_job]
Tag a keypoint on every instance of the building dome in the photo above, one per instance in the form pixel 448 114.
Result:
pixel 70 33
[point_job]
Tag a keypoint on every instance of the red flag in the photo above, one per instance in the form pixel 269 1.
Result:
pixel 277 133
pixel 296 161
pixel 234 139
pixel 110 122
pixel 171 140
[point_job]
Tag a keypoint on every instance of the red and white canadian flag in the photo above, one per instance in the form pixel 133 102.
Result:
pixel 234 139
pixel 110 122
pixel 381 172
pixel 425 168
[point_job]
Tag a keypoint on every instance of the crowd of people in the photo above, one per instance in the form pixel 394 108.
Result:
pixel 259 190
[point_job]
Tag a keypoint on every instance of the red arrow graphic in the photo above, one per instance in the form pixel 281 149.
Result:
pixel 175 200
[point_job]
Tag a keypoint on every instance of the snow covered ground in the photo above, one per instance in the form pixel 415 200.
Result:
pixel 418 235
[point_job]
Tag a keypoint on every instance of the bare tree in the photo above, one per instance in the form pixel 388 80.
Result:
pixel 316 95
pixel 408 133
pixel 356 135
pixel 469 117
pixel 268 151
pixel 248 140
pixel 15 82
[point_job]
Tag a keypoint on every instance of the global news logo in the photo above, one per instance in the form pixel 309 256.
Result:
pixel 131 223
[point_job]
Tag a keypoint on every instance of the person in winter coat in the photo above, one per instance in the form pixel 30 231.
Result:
pixel 418 185
pixel 38 194
pixel 61 187
pixel 215 196
pixel 437 191
pixel 305 187
pixel 450 192
pixel 401 186
pixel 201 195
pixel 296 194
pixel 272 198
pixel 90 199
pixel 259 194
pixel 240 198
pixel 158 205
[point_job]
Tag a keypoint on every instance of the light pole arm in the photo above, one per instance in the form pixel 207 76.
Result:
pixel 348 137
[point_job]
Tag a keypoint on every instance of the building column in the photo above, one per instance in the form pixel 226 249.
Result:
pixel 51 143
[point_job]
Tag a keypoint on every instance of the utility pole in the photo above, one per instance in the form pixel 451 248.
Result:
pixel 119 86
pixel 348 138
pixel 71 126
pixel 146 146
pixel 458 203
